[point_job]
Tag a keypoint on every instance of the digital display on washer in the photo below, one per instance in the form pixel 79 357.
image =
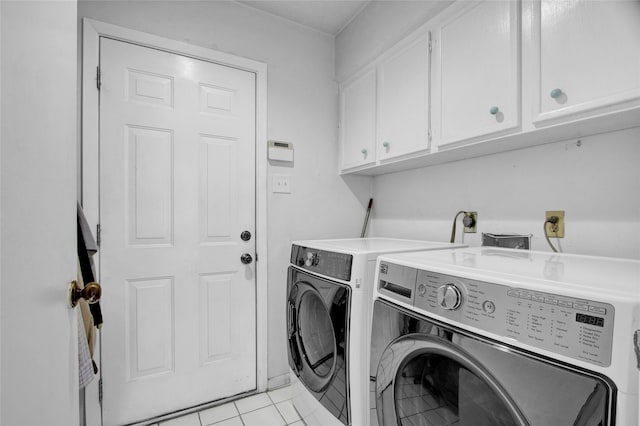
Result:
pixel 588 319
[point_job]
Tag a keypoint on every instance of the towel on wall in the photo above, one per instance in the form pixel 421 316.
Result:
pixel 87 247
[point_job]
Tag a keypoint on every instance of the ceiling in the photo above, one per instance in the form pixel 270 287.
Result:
pixel 327 16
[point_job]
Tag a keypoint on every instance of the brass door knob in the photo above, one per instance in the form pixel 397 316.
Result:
pixel 91 293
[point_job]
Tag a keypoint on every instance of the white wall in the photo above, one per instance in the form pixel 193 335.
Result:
pixel 597 184
pixel 39 378
pixel 302 108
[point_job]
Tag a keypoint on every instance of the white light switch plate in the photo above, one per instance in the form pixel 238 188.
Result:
pixel 281 184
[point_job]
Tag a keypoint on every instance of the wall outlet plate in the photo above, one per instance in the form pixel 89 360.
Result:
pixel 470 222
pixel 554 230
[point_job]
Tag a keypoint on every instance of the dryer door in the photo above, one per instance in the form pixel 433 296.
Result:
pixel 317 317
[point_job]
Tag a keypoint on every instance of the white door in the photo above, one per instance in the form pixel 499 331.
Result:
pixel 476 69
pixel 588 55
pixel 358 121
pixel 177 189
pixel 403 101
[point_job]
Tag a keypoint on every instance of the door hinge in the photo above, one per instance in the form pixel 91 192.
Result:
pixel 98 78
pixel 429 135
pixel 100 393
pixel 98 236
pixel 430 44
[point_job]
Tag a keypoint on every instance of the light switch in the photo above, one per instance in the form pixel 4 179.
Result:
pixel 281 184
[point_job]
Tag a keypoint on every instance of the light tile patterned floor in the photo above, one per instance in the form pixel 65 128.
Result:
pixel 273 408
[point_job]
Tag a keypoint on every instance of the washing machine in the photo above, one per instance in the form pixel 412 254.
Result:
pixel 490 337
pixel 329 298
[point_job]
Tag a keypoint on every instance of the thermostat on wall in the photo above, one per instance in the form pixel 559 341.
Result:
pixel 280 151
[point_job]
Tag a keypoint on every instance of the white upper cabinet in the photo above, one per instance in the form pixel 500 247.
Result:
pixel 486 76
pixel 586 57
pixel 476 70
pixel 403 100
pixel 358 121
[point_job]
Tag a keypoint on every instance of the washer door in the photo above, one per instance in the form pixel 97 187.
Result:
pixel 426 380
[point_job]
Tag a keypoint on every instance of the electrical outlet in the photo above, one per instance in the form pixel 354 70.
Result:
pixel 470 222
pixel 554 230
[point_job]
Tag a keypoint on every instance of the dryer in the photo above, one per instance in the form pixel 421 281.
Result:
pixel 489 336
pixel 329 297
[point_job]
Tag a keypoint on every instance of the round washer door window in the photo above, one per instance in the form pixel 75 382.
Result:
pixel 427 381
pixel 317 340
pixel 433 389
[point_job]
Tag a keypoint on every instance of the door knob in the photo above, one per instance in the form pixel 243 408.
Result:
pixel 245 236
pixel 246 258
pixel 91 293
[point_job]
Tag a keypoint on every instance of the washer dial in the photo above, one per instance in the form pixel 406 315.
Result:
pixel 449 297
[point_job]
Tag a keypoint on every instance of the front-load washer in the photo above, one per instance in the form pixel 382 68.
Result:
pixel 329 297
pixel 488 337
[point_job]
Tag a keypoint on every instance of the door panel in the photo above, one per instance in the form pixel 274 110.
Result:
pixel 590 68
pixel 177 187
pixel 403 103
pixel 478 75
pixel 358 121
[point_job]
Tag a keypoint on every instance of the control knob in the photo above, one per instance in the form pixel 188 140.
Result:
pixel 311 259
pixel 449 297
pixel 422 289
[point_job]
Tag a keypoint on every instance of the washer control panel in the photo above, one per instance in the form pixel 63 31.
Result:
pixel 577 328
pixel 329 263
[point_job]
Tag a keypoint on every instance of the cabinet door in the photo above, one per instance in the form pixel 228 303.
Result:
pixel 403 102
pixel 358 121
pixel 587 57
pixel 476 72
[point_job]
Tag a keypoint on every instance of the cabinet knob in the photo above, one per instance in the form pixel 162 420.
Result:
pixel 556 93
pixel 364 151
pixel 494 110
pixel 386 144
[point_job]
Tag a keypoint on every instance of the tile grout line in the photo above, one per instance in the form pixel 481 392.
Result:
pixel 273 403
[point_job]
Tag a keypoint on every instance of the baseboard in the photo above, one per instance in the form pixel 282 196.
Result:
pixel 278 381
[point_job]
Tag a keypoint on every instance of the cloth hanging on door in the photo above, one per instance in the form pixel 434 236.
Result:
pixel 86 339
pixel 87 368
pixel 87 247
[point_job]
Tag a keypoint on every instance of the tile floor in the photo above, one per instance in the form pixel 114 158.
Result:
pixel 273 408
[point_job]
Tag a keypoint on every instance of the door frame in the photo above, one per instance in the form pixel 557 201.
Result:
pixel 92 30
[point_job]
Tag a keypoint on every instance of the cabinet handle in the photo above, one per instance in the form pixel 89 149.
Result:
pixel 494 110
pixel 364 151
pixel 386 144
pixel 555 93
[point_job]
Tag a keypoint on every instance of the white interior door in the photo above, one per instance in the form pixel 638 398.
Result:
pixel 177 188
